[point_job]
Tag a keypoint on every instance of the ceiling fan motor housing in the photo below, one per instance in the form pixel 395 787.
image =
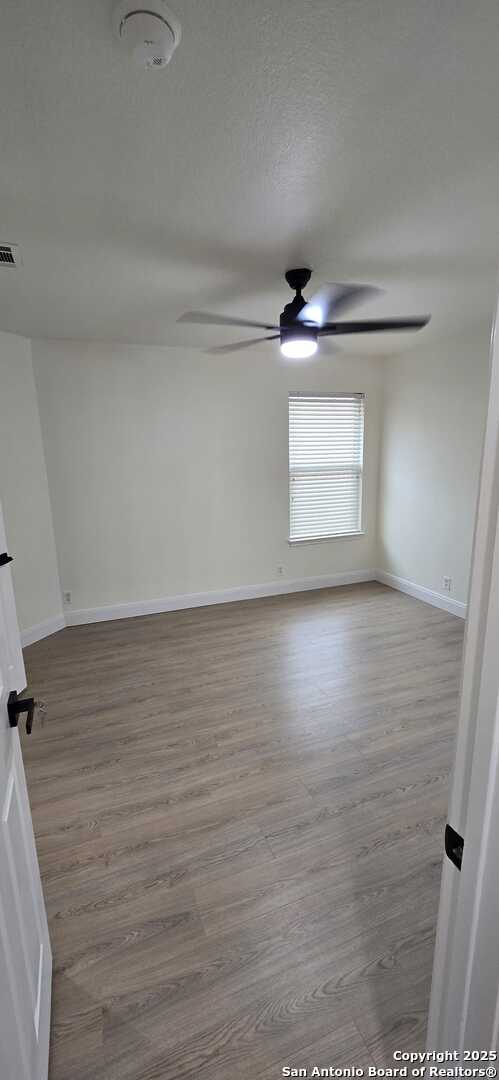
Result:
pixel 149 33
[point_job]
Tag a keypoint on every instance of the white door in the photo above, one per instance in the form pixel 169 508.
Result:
pixel 25 954
pixel 464 1009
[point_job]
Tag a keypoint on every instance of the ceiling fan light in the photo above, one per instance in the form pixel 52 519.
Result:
pixel 298 342
pixel 298 348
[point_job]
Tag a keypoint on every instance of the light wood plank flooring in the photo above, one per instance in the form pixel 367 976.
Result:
pixel 239 815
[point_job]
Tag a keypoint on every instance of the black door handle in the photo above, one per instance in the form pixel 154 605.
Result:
pixel 4 558
pixel 454 846
pixel 17 705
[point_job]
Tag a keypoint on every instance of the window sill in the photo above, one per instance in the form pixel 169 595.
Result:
pixel 321 539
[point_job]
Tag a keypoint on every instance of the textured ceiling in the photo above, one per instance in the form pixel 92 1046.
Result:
pixel 360 137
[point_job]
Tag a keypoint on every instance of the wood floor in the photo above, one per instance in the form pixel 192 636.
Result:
pixel 239 816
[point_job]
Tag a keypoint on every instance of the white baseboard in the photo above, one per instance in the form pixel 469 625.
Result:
pixel 420 592
pixel 241 592
pixel 222 596
pixel 42 630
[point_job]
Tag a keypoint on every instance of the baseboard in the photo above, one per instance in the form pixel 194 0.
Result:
pixel 222 596
pixel 241 592
pixel 429 596
pixel 42 630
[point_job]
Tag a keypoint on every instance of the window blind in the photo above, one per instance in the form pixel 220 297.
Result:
pixel 326 449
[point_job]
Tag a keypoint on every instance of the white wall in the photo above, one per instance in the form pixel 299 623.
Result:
pixel 435 402
pixel 24 489
pixel 168 468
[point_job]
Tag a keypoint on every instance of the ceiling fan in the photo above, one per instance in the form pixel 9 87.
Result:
pixel 303 322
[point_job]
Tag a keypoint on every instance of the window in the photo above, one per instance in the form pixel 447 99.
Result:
pixel 326 450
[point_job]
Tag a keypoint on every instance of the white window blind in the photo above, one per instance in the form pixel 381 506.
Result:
pixel 326 450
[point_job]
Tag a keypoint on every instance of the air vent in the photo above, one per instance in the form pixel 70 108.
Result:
pixel 9 256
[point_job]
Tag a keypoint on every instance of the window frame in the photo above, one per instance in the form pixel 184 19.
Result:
pixel 332 537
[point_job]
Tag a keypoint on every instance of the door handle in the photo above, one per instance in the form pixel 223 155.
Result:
pixel 17 705
pixel 454 845
pixel 4 558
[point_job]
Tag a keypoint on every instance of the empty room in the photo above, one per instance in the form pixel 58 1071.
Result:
pixel 249 571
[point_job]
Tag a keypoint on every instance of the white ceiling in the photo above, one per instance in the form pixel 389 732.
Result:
pixel 360 137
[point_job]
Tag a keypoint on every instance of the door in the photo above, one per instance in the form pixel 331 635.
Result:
pixel 464 1007
pixel 25 954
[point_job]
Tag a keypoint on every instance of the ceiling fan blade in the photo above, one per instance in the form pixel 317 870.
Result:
pixel 207 318
pixel 219 350
pixel 331 300
pixel 369 326
pixel 331 348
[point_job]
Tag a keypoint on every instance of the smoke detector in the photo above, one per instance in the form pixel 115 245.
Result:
pixel 150 34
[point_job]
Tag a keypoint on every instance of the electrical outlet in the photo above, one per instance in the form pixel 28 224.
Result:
pixel 280 570
pixel 447 584
pixel 67 597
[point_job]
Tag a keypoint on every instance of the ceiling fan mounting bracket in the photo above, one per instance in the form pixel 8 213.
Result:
pixel 298 279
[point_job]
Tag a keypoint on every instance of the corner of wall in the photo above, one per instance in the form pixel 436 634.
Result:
pixel 384 369
pixel 25 493
pixel 57 578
